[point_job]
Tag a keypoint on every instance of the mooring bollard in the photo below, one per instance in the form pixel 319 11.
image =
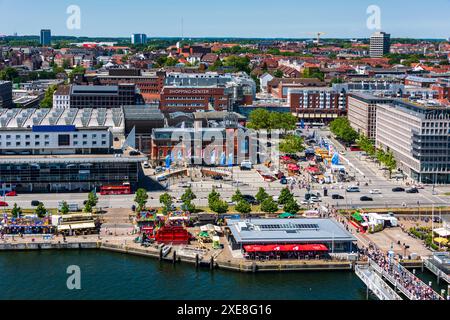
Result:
pixel 196 261
pixel 211 263
pixel 160 254
pixel 174 260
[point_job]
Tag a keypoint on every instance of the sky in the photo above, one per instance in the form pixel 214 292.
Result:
pixel 227 18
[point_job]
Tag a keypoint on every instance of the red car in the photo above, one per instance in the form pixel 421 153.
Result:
pixel 11 194
pixel 3 204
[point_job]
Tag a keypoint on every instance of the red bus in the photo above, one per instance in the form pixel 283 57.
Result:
pixel 115 190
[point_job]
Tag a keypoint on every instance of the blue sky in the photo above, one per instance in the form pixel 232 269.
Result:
pixel 227 18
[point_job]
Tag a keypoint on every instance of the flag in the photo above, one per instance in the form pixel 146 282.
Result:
pixel 223 159
pixel 213 156
pixel 168 161
pixel 230 160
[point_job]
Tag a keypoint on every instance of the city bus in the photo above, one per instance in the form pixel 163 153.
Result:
pixel 115 190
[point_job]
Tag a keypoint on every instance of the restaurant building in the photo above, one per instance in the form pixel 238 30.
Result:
pixel 290 234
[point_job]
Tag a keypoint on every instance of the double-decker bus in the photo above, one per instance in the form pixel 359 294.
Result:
pixel 115 190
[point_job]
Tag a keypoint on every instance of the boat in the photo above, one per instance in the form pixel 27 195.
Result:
pixel 166 250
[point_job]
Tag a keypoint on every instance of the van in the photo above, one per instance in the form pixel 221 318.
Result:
pixel 246 165
pixel 353 189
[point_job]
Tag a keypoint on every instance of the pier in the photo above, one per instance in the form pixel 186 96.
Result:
pixel 441 275
pixel 375 283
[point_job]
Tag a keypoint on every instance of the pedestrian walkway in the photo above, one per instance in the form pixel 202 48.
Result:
pixel 375 283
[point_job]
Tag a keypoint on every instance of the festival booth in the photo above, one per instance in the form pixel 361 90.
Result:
pixel 26 225
pixel 75 224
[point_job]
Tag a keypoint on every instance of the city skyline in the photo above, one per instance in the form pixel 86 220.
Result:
pixel 296 19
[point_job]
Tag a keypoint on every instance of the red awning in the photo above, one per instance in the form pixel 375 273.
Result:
pixel 293 167
pixel 286 248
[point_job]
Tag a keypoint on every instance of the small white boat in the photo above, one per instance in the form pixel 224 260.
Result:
pixel 166 250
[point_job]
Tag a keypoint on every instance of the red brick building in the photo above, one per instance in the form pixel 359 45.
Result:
pixel 191 99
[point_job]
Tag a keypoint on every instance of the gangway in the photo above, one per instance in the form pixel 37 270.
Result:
pixel 390 277
pixel 375 283
pixel 435 270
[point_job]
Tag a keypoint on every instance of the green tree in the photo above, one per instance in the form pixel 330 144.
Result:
pixel 40 210
pixel 285 196
pixel 167 201
pixel 188 206
pixel 64 208
pixel 291 207
pixel 238 63
pixel 278 74
pixel 237 196
pixel 188 195
pixel 16 211
pixel 243 207
pixel 88 207
pixel 47 102
pixel 261 195
pixel 9 74
pixel 219 206
pixel 213 196
pixel 342 129
pixel 292 144
pixel 92 199
pixel 269 205
pixel 141 198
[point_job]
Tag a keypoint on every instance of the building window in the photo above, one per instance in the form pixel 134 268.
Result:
pixel 64 140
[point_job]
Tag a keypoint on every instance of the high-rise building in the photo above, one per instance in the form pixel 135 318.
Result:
pixel 6 100
pixel 380 44
pixel 46 37
pixel 138 38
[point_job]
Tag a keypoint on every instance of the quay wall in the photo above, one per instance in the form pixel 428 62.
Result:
pixel 205 262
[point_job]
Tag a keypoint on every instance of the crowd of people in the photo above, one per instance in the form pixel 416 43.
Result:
pixel 404 278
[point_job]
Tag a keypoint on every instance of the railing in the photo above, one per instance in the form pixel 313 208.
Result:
pixel 394 281
pixel 376 284
pixel 436 270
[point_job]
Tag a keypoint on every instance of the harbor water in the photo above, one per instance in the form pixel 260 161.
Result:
pixel 110 276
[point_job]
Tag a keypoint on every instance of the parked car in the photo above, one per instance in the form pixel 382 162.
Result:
pixel 353 189
pixel 412 190
pixel 218 177
pixel 337 197
pixel 365 198
pixel 375 191
pixel 35 203
pixel 134 153
pixel 283 181
pixel 11 194
pixel 398 189
pixel 161 179
pixel 246 165
pixel 159 169
pixel 146 165
pixel 4 204
pixel 250 199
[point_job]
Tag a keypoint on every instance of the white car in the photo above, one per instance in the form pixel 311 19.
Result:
pixel 375 191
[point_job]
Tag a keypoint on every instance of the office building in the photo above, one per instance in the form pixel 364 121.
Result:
pixel 138 38
pixel 46 37
pixel 362 113
pixel 102 96
pixel 380 44
pixel 6 100
pixel 418 135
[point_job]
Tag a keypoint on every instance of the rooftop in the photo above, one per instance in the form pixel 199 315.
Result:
pixel 287 230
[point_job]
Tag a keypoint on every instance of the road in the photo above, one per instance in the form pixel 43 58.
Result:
pixel 250 181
